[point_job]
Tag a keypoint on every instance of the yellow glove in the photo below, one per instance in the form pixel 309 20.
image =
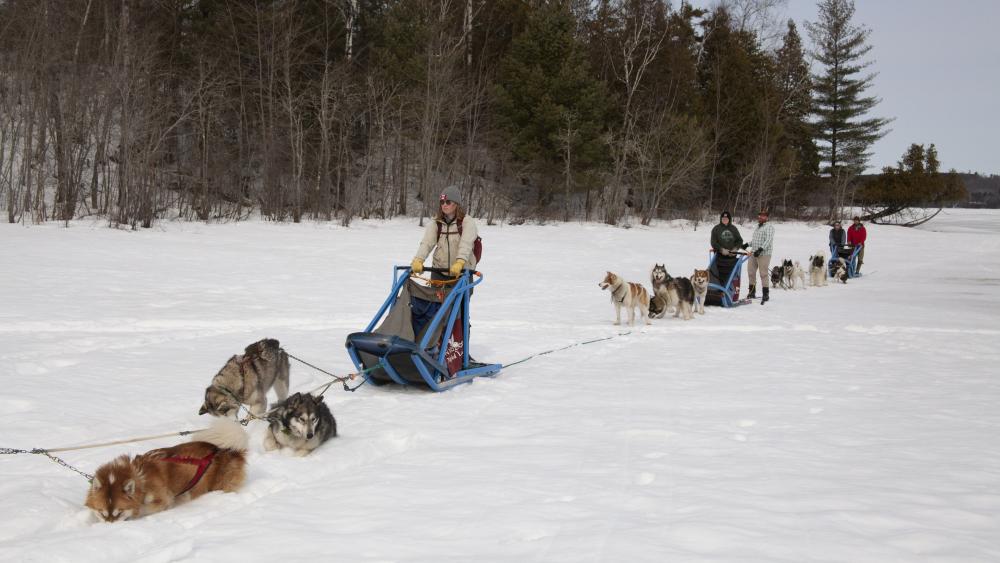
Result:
pixel 456 268
pixel 417 265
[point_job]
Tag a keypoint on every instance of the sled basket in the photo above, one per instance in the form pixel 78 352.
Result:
pixel 724 279
pixel 849 254
pixel 421 336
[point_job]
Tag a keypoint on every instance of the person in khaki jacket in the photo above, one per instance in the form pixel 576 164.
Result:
pixel 761 245
pixel 451 235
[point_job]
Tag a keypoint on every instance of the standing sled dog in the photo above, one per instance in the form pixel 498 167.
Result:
pixel 671 293
pixel 659 303
pixel 626 295
pixel 794 275
pixel 699 281
pixel 680 295
pixel 246 379
pixel 817 269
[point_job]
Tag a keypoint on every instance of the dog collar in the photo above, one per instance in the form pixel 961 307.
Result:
pixel 624 294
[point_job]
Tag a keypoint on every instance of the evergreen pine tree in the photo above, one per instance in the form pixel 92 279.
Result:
pixel 844 131
pixel 794 88
pixel 732 73
pixel 544 82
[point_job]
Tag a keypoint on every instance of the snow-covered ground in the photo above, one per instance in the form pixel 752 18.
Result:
pixel 845 423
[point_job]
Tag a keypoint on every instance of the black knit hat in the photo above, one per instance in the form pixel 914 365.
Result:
pixel 726 215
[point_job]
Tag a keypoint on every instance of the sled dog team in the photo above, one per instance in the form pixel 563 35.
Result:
pixel 685 296
pixel 215 460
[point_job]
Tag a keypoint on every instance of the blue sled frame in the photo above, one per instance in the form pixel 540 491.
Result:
pixel 429 363
pixel 727 291
pixel 852 262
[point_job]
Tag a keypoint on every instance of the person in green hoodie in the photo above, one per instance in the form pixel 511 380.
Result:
pixel 726 239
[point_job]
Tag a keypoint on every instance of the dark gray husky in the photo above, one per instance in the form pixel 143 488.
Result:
pixel 301 423
pixel 246 379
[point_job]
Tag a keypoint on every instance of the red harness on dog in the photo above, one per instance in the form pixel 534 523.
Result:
pixel 202 464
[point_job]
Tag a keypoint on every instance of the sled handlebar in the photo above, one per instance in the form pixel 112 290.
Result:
pixel 446 271
pixel 731 252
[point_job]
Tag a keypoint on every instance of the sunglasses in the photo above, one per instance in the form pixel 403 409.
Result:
pixel 446 202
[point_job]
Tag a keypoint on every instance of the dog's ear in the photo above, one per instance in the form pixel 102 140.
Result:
pixel 202 410
pixel 129 487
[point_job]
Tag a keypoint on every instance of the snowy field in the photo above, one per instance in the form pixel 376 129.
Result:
pixel 845 423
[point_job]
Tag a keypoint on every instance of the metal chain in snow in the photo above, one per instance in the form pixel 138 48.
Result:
pixel 48 455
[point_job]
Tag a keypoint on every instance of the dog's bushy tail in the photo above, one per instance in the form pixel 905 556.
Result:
pixel 225 434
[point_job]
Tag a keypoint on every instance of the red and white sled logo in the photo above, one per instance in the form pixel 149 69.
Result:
pixel 455 353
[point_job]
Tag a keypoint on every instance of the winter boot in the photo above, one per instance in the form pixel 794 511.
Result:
pixel 752 294
pixel 766 297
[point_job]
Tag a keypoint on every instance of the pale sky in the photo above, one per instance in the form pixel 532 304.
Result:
pixel 938 66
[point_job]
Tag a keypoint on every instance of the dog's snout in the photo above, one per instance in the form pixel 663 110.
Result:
pixel 309 435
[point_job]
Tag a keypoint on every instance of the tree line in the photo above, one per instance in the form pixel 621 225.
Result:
pixel 610 110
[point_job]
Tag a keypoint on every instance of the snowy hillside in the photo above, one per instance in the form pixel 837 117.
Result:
pixel 853 422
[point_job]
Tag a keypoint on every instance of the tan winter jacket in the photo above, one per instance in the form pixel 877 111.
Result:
pixel 449 246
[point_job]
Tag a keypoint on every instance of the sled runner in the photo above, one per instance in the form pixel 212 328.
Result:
pixel 849 254
pixel 724 280
pixel 423 338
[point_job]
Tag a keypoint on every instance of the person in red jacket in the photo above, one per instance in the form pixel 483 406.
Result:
pixel 856 235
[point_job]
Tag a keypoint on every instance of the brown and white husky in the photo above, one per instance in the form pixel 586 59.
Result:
pixel 699 281
pixel 130 487
pixel 626 295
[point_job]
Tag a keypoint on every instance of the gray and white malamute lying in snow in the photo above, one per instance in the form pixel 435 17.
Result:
pixel 301 423
pixel 245 379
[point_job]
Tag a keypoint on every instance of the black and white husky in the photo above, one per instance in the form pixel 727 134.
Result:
pixel 301 423
pixel 817 269
pixel 778 276
pixel 838 270
pixel 660 303
pixel 680 295
pixel 659 277
pixel 794 275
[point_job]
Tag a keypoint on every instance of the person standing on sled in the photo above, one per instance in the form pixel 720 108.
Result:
pixel 856 234
pixel 451 235
pixel 761 245
pixel 838 236
pixel 726 239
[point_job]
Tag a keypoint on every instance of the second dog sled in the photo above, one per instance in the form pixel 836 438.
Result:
pixel 850 255
pixel 724 279
pixel 423 337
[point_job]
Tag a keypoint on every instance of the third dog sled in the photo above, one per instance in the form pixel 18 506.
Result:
pixel 724 279
pixel 424 337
